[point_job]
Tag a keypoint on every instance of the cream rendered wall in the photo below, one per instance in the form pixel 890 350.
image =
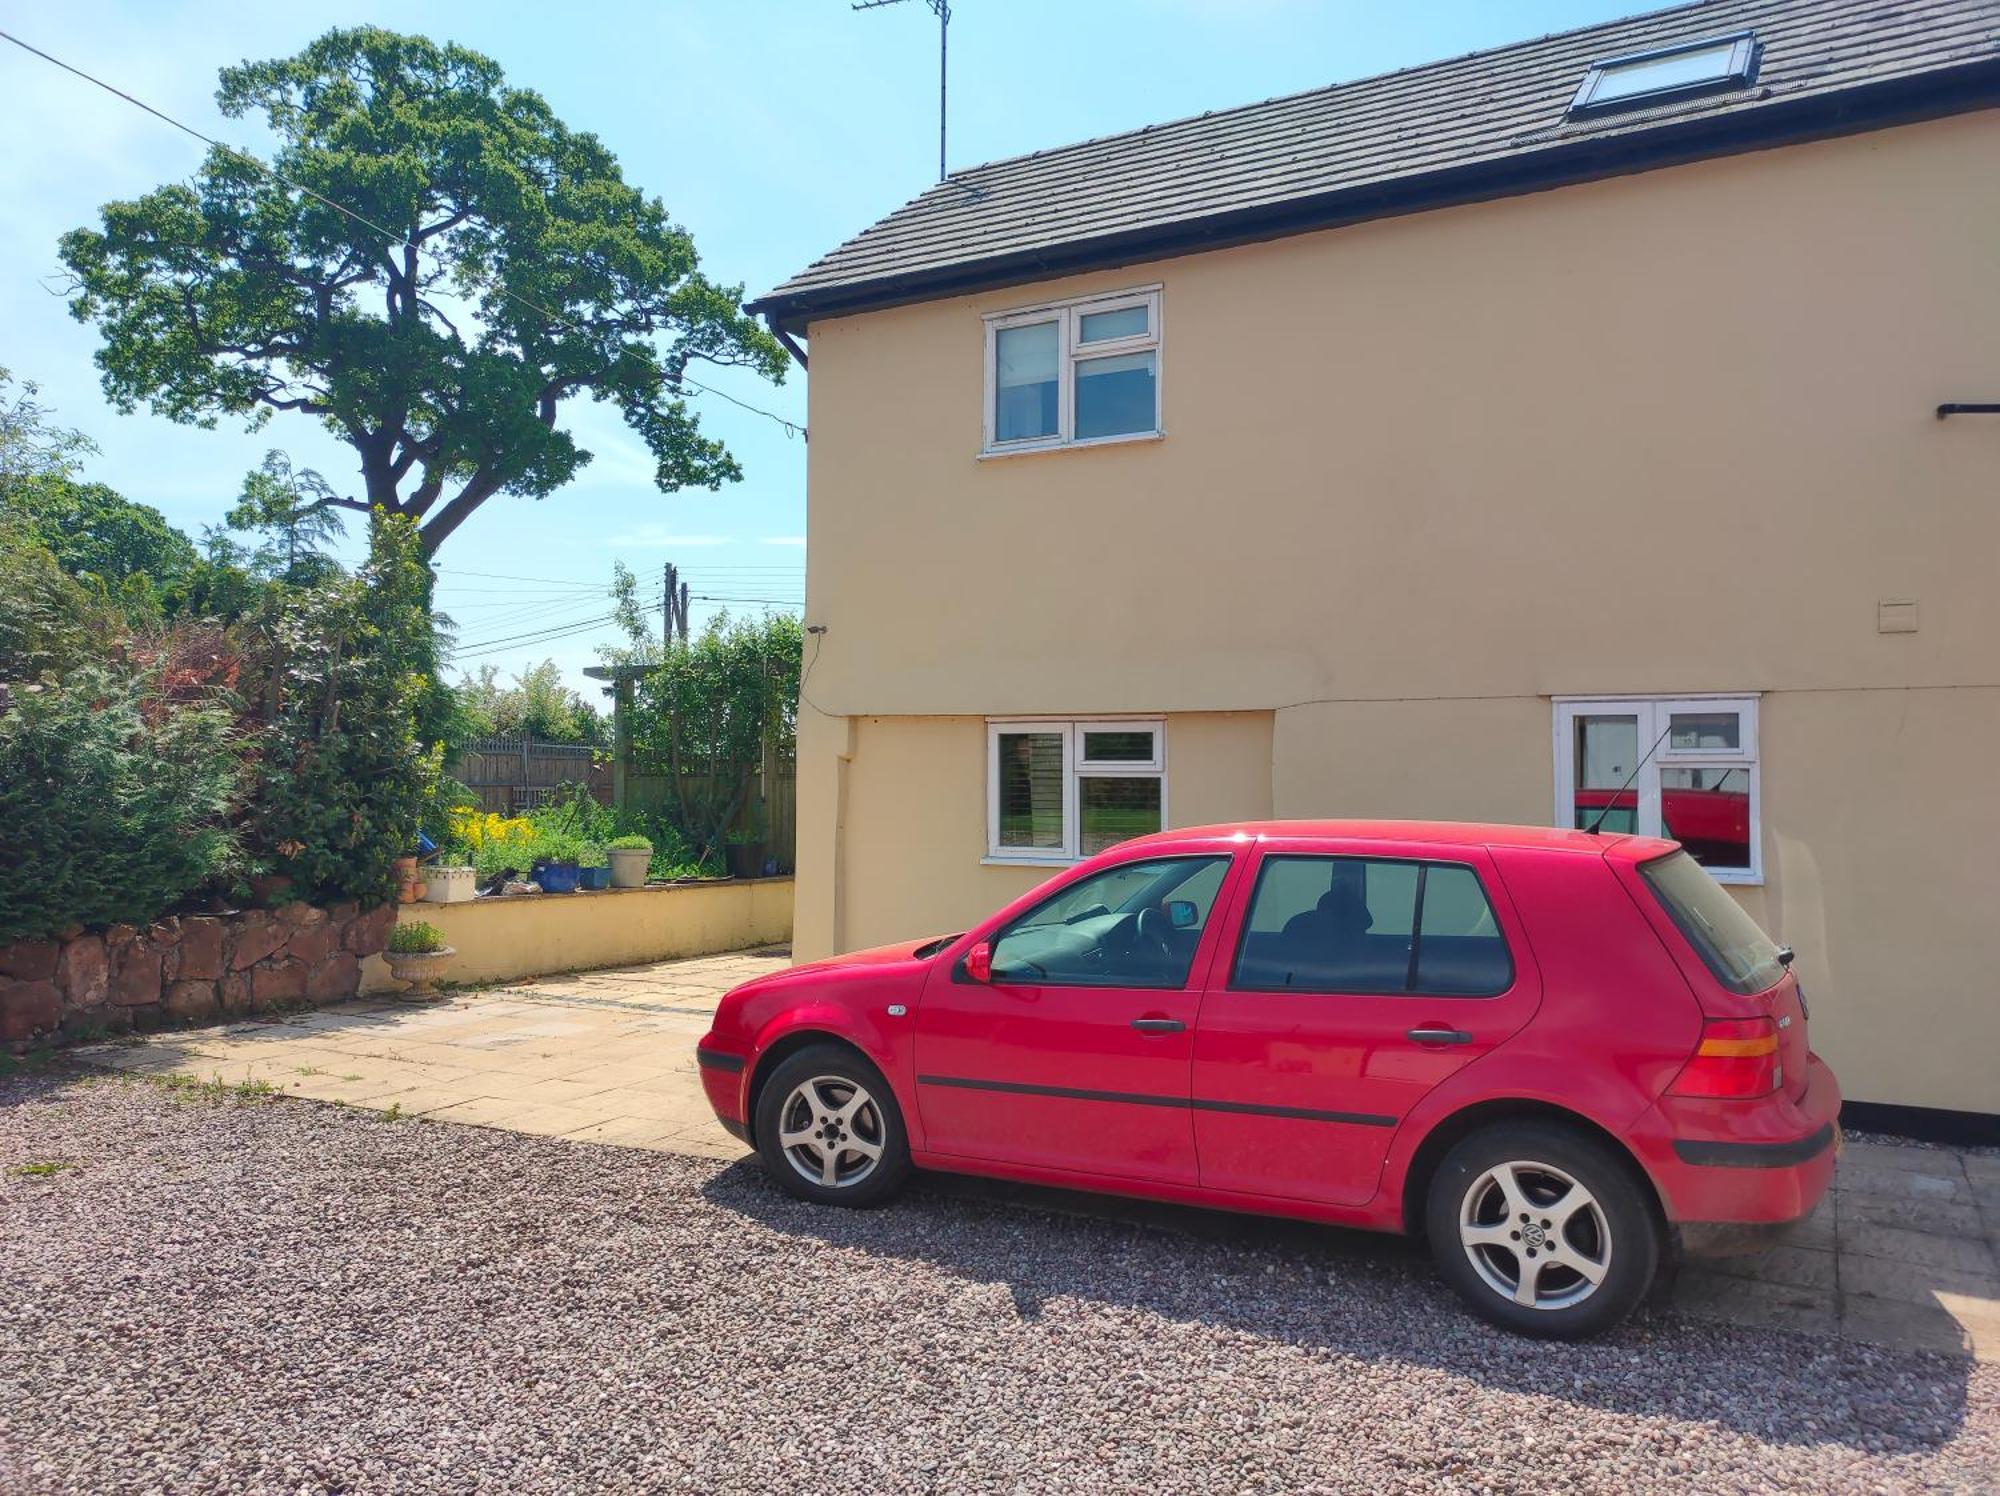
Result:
pixel 916 826
pixel 1662 434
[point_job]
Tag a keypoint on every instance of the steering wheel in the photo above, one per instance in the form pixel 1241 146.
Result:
pixel 1156 930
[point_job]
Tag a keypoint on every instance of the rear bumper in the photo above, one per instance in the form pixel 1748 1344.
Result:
pixel 1738 1163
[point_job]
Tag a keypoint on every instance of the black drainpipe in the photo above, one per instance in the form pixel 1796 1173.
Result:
pixel 791 346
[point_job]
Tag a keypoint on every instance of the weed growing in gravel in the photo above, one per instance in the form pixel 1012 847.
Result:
pixel 41 1169
pixel 193 1088
pixel 394 1113
pixel 26 1064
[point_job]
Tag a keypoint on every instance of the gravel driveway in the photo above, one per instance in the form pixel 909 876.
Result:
pixel 227 1295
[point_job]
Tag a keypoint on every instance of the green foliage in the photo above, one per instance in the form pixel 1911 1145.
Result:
pixel 31 444
pixel 237 295
pixel 92 529
pixel 538 705
pixel 415 939
pixel 710 709
pixel 49 621
pixel 291 511
pixel 628 844
pixel 338 671
pixel 116 803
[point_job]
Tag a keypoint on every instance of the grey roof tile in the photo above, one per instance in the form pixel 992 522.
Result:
pixel 1497 114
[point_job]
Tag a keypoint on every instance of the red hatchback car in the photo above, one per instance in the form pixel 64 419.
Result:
pixel 1553 1053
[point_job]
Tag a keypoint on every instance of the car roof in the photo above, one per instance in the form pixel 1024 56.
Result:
pixel 1442 833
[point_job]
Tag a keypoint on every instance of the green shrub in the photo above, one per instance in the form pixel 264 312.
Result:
pixel 416 939
pixel 114 802
pixel 629 844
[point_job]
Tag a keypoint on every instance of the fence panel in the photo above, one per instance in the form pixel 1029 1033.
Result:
pixel 510 775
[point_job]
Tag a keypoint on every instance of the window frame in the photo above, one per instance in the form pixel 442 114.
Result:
pixel 1068 315
pixel 1423 865
pixel 1654 714
pixel 1075 767
pixel 1739 72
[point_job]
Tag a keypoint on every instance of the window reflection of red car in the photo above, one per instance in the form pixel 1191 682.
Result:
pixel 1713 824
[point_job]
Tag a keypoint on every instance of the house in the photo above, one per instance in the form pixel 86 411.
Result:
pixel 1544 435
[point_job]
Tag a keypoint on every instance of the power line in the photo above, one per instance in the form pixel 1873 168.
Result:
pixel 792 428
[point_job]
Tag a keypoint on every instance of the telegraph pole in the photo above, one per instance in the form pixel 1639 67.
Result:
pixel 942 10
pixel 673 605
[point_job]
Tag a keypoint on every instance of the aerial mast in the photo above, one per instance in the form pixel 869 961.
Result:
pixel 942 10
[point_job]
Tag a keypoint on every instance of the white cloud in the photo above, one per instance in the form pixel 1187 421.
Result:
pixel 784 540
pixel 661 538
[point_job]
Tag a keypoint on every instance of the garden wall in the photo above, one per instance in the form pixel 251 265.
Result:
pixel 192 967
pixel 527 935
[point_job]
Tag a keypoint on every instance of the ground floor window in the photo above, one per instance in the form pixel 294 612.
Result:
pixel 1057 791
pixel 1682 767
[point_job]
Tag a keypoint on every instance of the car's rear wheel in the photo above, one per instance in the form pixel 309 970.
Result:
pixel 829 1129
pixel 1543 1229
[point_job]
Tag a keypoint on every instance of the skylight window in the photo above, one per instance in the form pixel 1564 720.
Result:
pixel 1639 80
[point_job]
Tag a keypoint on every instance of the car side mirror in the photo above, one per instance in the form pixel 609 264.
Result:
pixel 979 962
pixel 1183 914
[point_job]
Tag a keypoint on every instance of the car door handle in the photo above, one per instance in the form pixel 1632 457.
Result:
pixel 1439 1036
pixel 1158 1025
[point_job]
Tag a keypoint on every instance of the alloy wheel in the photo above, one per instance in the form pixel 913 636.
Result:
pixel 832 1131
pixel 1535 1235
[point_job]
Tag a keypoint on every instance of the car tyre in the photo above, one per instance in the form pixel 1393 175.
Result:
pixel 829 1129
pixel 1543 1229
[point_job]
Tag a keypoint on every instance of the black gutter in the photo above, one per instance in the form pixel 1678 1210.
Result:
pixel 1931 95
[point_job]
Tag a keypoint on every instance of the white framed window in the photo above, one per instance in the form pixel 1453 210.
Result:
pixel 1073 373
pixel 1683 767
pixel 1064 790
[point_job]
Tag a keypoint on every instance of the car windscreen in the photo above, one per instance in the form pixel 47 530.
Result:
pixel 1743 958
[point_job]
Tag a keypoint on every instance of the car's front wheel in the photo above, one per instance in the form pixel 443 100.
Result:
pixel 829 1129
pixel 1543 1230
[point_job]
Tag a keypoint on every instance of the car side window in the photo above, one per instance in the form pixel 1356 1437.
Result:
pixel 1376 925
pixel 1134 925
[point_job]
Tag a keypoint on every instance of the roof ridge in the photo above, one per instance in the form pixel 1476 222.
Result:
pixel 1322 88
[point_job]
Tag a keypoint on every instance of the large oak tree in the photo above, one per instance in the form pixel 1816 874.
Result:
pixel 520 271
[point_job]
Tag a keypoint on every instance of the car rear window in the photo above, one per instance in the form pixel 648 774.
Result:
pixel 1743 958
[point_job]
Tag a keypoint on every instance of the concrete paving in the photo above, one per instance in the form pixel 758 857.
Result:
pixel 1904 1251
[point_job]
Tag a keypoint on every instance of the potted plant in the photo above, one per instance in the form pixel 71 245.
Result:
pixel 593 868
pixel 630 857
pixel 417 954
pixel 555 862
pixel 743 854
pixel 451 883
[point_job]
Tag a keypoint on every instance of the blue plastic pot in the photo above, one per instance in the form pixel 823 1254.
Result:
pixel 590 879
pixel 556 877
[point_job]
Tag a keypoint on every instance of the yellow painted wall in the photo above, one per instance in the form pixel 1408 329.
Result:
pixel 916 816
pixel 1663 434
pixel 498 940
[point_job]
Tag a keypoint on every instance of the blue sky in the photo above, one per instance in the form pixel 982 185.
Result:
pixel 771 128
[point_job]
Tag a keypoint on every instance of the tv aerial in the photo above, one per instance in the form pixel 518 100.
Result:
pixel 942 10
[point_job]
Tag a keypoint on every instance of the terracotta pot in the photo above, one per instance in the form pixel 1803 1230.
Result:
pixel 410 888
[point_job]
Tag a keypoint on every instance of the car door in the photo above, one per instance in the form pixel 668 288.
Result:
pixel 1074 1053
pixel 1349 986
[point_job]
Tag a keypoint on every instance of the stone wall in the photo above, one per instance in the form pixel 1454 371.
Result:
pixel 191 967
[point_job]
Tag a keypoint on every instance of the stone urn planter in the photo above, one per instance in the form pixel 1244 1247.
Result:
pixel 420 970
pixel 628 866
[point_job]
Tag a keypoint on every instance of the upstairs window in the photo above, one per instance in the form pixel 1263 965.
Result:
pixel 1683 768
pixel 1640 80
pixel 1073 373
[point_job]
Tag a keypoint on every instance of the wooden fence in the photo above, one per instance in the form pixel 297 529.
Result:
pixel 512 775
pixel 770 809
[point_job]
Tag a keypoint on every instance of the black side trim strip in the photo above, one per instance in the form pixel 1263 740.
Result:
pixel 1755 1155
pixel 715 1059
pixel 1130 1098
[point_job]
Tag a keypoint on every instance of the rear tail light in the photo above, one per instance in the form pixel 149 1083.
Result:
pixel 1736 1057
